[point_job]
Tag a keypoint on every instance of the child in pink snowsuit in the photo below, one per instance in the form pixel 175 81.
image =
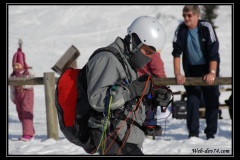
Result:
pixel 23 96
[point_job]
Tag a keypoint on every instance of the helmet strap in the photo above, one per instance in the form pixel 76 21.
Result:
pixel 135 43
pixel 130 44
pixel 138 47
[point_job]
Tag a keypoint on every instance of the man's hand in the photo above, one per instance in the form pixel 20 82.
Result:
pixel 180 79
pixel 210 78
pixel 161 97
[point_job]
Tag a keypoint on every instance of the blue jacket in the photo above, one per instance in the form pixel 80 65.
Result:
pixel 208 41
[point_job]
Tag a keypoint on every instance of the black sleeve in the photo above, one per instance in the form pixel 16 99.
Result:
pixel 177 43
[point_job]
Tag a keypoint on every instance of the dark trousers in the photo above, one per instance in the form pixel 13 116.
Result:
pixel 211 100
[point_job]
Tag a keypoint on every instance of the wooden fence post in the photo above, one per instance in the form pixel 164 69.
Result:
pixel 51 113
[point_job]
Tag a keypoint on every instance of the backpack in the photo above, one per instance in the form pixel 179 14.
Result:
pixel 73 108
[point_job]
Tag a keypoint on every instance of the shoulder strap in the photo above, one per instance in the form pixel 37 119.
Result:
pixel 112 50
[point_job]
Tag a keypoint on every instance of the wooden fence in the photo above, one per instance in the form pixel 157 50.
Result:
pixel 49 80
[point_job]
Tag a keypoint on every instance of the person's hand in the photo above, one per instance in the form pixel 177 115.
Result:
pixel 161 97
pixel 210 78
pixel 20 88
pixel 137 86
pixel 180 79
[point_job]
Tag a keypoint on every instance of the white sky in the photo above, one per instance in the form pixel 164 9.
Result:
pixel 48 31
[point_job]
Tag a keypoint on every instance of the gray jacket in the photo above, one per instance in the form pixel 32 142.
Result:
pixel 103 71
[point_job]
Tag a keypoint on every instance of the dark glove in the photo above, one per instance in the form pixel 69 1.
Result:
pixel 131 105
pixel 161 97
pixel 136 87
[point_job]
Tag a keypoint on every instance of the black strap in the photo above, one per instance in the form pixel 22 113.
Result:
pixel 129 121
pixel 112 50
pixel 118 140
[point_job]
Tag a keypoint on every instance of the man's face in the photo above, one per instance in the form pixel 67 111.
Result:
pixel 142 56
pixel 190 19
pixel 147 51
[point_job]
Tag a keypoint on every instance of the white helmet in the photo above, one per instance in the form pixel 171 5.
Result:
pixel 149 31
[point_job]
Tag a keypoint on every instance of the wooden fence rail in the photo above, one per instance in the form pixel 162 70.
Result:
pixel 190 81
pixel 49 81
pixel 28 81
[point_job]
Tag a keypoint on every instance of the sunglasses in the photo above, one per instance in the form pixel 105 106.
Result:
pixel 188 15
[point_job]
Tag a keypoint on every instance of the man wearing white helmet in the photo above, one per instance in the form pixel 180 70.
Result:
pixel 116 92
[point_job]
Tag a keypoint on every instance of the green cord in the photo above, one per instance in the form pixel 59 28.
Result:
pixel 105 126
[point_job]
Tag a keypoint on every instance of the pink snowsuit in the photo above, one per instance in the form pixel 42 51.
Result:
pixel 24 101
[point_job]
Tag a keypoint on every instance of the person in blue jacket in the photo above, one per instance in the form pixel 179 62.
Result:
pixel 197 42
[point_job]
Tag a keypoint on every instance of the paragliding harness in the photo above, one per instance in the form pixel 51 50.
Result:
pixel 75 114
pixel 109 135
pixel 72 104
pixel 77 119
